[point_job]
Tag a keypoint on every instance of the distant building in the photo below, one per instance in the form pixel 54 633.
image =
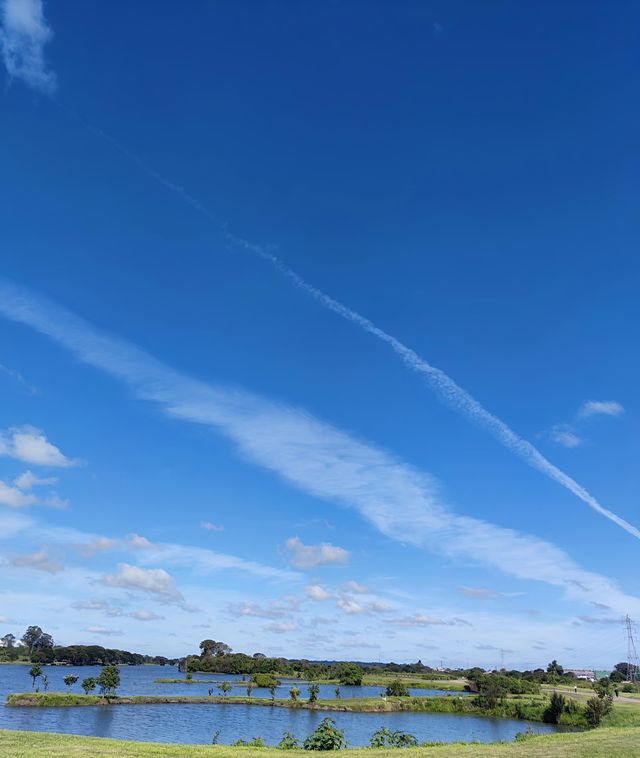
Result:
pixel 589 674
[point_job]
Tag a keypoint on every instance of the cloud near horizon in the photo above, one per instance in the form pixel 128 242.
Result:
pixel 397 499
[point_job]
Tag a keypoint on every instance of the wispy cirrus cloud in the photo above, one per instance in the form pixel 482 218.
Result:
pixel 569 434
pixel 17 377
pixel 40 561
pixel 210 527
pixel 420 619
pixel 483 593
pixel 115 611
pixel 355 587
pixel 28 480
pixel 104 631
pixel 565 435
pixel 254 610
pixel 401 502
pixel 600 408
pixel 281 627
pixel 24 34
pixel 441 383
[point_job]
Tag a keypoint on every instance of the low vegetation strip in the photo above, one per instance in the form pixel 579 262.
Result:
pixel 373 704
pixel 600 743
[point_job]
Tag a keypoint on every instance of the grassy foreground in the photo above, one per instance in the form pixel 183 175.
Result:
pixel 600 743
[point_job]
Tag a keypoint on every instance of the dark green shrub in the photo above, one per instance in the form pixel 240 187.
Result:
pixel 554 710
pixel 325 737
pixel 597 708
pixel 288 742
pixel 314 689
pixel 255 742
pixel 397 688
pixel 264 680
pixel 349 674
pixel 386 738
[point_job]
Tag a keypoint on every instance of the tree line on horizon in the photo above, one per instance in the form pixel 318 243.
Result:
pixel 39 647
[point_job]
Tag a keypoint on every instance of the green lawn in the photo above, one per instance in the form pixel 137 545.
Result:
pixel 600 743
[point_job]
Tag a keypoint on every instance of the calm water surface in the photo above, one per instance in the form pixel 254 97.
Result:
pixel 196 723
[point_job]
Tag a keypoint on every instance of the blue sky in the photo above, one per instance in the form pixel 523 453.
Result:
pixel 197 443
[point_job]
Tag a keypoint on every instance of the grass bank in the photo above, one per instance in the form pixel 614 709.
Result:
pixel 600 743
pixel 370 704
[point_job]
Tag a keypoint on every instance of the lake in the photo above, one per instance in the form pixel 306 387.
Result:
pixel 196 723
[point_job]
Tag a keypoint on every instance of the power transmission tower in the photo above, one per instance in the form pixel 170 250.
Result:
pixel 633 666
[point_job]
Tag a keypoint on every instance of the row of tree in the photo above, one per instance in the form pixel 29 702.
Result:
pixel 39 647
pixel 107 681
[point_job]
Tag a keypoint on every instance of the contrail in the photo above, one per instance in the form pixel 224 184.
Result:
pixel 445 387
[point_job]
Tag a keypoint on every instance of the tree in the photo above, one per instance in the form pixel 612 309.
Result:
pixel 337 690
pixel 272 691
pixel 9 641
pixel 397 688
pixel 45 682
pixel 555 668
pixel 491 689
pixel 35 639
pixel 211 647
pixel 314 689
pixel 250 686
pixel 555 709
pixel 88 685
pixel 109 680
pixel 622 668
pixel 350 674
pixel 70 680
pixel 325 737
pixel 34 672
pixel 225 688
pixel 294 692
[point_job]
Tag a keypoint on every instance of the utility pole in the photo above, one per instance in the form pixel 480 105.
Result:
pixel 633 665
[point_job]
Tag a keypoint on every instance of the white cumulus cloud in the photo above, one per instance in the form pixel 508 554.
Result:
pixel 317 592
pixel 30 445
pixel 14 497
pixel 156 582
pixel 310 556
